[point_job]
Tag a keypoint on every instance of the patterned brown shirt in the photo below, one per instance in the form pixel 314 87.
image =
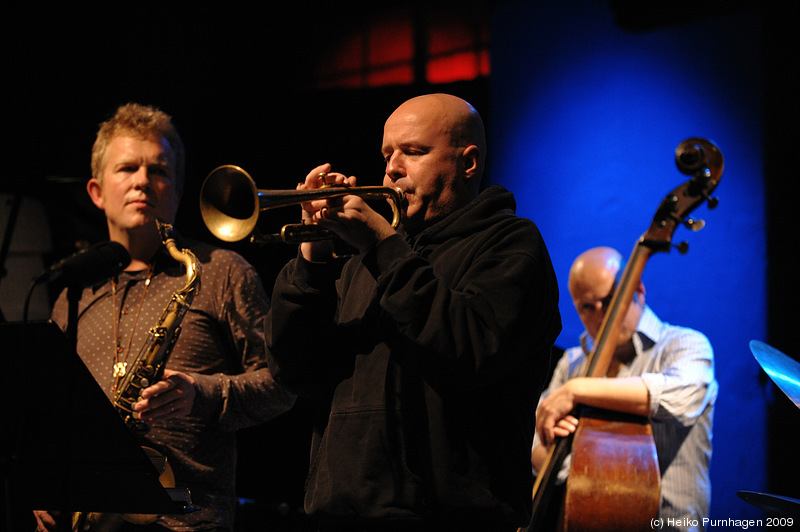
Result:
pixel 221 345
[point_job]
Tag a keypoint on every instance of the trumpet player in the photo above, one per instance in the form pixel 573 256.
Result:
pixel 419 352
pixel 216 379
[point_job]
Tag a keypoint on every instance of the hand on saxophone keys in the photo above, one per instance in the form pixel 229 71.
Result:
pixel 173 396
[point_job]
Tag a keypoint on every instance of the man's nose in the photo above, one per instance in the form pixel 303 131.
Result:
pixel 142 178
pixel 394 167
pixel 595 315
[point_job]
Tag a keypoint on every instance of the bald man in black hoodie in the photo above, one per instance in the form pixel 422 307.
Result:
pixel 423 354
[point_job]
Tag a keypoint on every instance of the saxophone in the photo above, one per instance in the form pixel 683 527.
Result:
pixel 148 366
pixel 147 369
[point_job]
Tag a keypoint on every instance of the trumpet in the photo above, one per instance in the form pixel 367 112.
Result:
pixel 230 205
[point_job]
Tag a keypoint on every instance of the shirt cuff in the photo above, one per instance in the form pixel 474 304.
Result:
pixel 654 382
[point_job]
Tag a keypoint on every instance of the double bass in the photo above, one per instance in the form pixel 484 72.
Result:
pixel 614 478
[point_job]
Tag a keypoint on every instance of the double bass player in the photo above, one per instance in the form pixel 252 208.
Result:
pixel 660 371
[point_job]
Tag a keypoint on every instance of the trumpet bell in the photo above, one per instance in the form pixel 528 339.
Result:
pixel 229 203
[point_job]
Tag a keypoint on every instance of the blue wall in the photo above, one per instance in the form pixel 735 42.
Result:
pixel 584 122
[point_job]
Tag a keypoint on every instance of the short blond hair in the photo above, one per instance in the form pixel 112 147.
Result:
pixel 141 121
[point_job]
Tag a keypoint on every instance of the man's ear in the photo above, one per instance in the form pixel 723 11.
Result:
pixel 640 292
pixel 471 157
pixel 95 190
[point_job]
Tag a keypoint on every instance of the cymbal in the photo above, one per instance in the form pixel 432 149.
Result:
pixel 774 504
pixel 783 370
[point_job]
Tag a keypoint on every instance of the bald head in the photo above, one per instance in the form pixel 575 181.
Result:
pixel 433 146
pixel 592 282
pixel 456 118
pixel 595 268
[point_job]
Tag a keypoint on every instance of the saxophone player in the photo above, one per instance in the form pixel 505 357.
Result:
pixel 216 380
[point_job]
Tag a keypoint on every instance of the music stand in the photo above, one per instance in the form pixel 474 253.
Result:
pixel 64 446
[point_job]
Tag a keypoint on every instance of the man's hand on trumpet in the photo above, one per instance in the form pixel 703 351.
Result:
pixel 349 216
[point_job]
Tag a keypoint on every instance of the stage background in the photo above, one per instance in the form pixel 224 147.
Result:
pixel 585 104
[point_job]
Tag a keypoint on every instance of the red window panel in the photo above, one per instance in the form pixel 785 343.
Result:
pixel 382 51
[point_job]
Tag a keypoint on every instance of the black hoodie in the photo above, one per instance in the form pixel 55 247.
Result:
pixel 425 356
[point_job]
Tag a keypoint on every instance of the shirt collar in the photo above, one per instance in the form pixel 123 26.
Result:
pixel 160 263
pixel 648 331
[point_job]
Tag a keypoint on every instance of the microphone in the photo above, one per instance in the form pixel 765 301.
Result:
pixel 89 266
